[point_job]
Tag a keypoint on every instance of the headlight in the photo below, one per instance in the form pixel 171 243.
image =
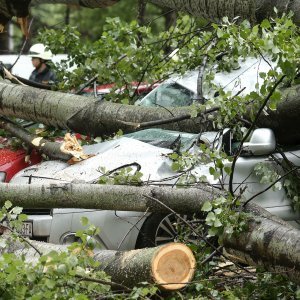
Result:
pixel 2 176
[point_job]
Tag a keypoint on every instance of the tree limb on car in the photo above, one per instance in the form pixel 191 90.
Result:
pixel 94 118
pixel 268 241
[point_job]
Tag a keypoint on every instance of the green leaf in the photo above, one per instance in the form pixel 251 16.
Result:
pixel 84 221
pixel 218 211
pixel 217 223
pixel 265 24
pixel 206 206
pixel 212 231
pixel 175 166
pixel 229 230
pixel 210 218
pixel 227 170
pixel 50 284
pixel 17 210
pixel 7 204
pixel 173 156
pixel 212 171
pixel 23 217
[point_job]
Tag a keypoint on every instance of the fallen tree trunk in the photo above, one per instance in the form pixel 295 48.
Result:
pixel 92 117
pixel 278 243
pixel 82 114
pixel 171 266
pixel 213 10
pixel 85 3
pixel 105 197
pixel 51 149
pixel 273 245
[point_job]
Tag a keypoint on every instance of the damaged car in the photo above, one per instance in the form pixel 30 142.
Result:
pixel 148 152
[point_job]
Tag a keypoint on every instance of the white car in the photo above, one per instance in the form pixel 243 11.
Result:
pixel 182 90
pixel 148 149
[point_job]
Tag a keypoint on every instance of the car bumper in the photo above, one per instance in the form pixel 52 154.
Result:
pixel 41 225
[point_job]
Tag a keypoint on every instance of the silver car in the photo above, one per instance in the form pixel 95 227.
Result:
pixel 148 151
pixel 182 90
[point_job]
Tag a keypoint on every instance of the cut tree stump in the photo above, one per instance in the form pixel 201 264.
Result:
pixel 171 266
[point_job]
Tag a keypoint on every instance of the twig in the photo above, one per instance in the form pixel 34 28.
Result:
pixel 200 97
pixel 112 284
pixel 133 226
pixel 270 186
pixel 23 46
pixel 207 259
pixel 23 239
pixel 11 77
pixel 166 121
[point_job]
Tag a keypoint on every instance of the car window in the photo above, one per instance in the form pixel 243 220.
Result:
pixel 169 94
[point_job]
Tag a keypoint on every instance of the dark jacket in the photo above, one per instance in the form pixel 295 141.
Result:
pixel 45 77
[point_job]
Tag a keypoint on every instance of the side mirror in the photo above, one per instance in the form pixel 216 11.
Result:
pixel 262 142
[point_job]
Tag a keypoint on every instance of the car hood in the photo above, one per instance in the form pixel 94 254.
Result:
pixel 109 155
pixel 154 163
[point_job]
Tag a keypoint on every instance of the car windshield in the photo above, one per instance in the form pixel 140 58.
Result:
pixel 168 94
pixel 164 138
pixel 173 139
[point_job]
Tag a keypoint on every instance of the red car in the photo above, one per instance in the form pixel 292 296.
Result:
pixel 13 161
pixel 141 89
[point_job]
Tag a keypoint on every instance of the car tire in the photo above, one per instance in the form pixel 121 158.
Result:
pixel 159 229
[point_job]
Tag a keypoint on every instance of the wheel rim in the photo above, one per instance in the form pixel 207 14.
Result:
pixel 173 228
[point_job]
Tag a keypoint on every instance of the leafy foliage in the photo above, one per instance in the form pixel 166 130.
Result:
pixel 281 178
pixel 127 52
pixel 122 176
pixel 118 56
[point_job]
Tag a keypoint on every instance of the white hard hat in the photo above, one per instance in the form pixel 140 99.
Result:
pixel 39 50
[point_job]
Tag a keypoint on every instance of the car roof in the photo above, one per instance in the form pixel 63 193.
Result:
pixel 247 75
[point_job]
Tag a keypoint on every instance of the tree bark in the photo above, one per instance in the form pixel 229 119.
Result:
pixel 172 263
pixel 51 149
pixel 213 10
pixel 97 118
pixel 85 3
pixel 82 114
pixel 106 197
pixel 268 241
pixel 171 266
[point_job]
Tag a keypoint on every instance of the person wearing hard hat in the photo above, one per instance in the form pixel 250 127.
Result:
pixel 42 72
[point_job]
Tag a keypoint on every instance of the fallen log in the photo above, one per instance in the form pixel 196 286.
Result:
pixel 260 242
pixel 51 149
pixel 68 150
pixel 83 114
pixel 268 242
pixel 170 267
pixel 97 118
pixel 106 197
pixel 213 10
